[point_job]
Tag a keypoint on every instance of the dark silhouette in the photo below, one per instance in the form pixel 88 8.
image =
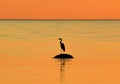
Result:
pixel 63 49
pixel 64 56
pixel 62 44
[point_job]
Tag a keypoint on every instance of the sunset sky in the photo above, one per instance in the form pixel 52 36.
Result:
pixel 60 9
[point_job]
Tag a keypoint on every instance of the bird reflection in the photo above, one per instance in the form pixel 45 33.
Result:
pixel 62 70
pixel 63 62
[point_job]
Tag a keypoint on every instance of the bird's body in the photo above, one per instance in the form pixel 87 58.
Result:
pixel 62 45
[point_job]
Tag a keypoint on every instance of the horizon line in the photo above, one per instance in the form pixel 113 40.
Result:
pixel 60 19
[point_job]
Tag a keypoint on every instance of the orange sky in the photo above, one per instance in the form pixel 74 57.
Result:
pixel 60 9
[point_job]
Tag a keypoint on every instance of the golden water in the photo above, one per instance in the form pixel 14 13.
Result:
pixel 27 48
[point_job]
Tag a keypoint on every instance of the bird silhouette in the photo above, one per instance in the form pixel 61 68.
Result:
pixel 62 45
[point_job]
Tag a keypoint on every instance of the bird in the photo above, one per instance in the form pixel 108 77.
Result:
pixel 62 44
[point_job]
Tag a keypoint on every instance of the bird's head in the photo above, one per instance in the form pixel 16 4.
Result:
pixel 60 39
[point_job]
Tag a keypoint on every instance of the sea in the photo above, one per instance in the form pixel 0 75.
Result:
pixel 27 48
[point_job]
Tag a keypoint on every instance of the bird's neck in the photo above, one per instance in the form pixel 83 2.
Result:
pixel 60 41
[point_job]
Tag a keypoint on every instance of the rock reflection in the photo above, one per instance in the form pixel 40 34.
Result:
pixel 63 62
pixel 62 70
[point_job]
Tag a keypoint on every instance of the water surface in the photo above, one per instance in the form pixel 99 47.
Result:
pixel 27 48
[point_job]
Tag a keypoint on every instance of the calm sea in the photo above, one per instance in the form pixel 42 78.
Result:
pixel 27 48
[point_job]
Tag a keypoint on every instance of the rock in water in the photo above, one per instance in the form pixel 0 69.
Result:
pixel 63 56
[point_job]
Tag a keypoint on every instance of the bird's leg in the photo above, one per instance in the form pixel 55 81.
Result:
pixel 61 51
